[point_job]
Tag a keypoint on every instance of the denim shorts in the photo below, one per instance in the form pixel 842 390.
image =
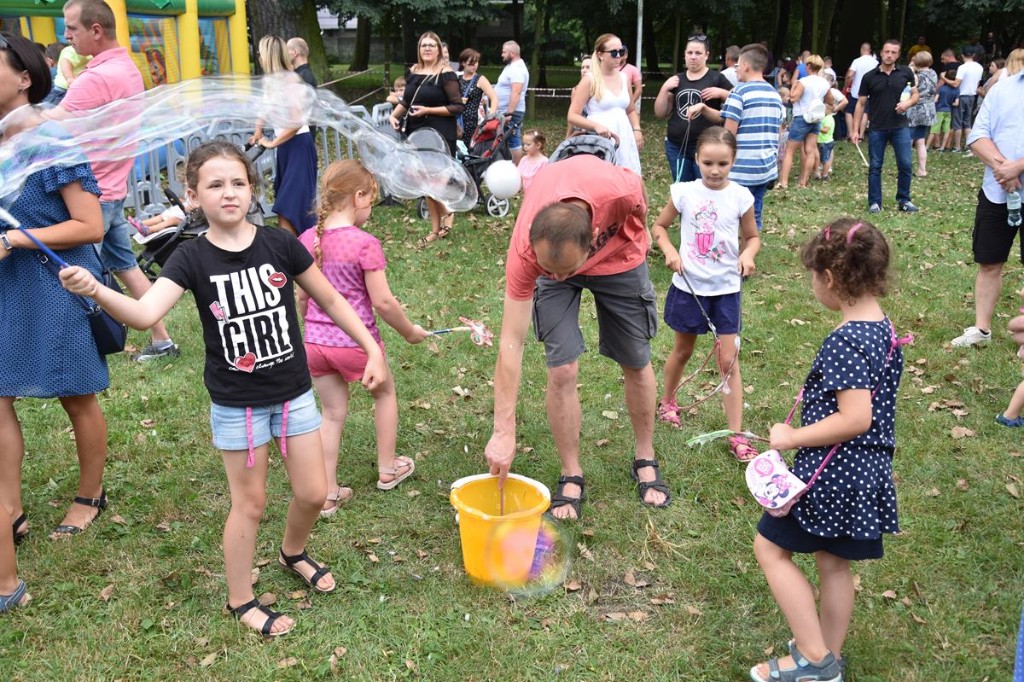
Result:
pixel 683 315
pixel 800 129
pixel 515 130
pixel 825 151
pixel 627 316
pixel 116 249
pixel 919 132
pixel 230 431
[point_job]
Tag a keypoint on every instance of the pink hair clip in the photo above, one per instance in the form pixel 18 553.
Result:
pixel 849 233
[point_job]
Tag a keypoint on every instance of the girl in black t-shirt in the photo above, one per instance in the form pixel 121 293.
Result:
pixel 242 278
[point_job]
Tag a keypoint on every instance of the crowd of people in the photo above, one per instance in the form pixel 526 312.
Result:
pixel 582 225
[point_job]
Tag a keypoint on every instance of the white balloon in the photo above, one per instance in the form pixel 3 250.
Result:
pixel 502 178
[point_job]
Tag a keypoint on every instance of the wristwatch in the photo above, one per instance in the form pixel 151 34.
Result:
pixel 5 242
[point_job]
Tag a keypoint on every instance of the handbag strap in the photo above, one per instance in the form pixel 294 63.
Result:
pixel 52 262
pixel 894 343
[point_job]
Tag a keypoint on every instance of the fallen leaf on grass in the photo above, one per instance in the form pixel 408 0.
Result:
pixel 584 552
pixel 591 596
pixel 163 527
pixel 372 557
pixel 962 485
pixel 268 598
pixel 147 423
pixel 106 592
pixel 649 566
pixel 411 665
pixel 572 585
pixel 639 616
pixel 918 619
pixel 1012 489
pixel 421 554
pixel 413 493
pixel 304 604
pixel 297 594
pixel 208 660
pixel 615 616
pixel 662 601
pixel 929 389
pixel 694 611
pixel 290 662
pixel 889 594
pixel 959 432
pixel 934 492
pixel 262 562
pixel 856 583
pixel 254 576
pixel 461 392
pixel 631 579
pixel 610 414
pixel 601 443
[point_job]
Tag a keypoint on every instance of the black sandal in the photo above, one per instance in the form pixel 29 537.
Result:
pixel 656 484
pixel 271 615
pixel 100 503
pixel 18 523
pixel 559 499
pixel 288 564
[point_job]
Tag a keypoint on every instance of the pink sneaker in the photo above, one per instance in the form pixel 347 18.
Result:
pixel 139 227
pixel 668 411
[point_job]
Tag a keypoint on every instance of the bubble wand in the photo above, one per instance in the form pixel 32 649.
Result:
pixel 478 332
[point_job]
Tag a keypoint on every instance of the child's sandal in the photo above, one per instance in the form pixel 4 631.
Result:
pixel 668 412
pixel 342 497
pixel 401 470
pixel 288 564
pixel 20 529
pixel 272 616
pixel 741 449
pixel 826 670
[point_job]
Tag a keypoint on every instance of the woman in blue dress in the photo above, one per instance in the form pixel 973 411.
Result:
pixel 48 348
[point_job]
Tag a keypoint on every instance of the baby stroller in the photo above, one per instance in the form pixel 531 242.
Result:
pixel 488 144
pixel 158 247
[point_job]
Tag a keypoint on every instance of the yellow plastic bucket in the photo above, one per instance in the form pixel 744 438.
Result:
pixel 498 550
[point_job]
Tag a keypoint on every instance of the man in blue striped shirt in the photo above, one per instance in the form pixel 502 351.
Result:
pixel 753 113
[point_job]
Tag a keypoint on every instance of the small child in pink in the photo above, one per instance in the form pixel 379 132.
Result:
pixel 533 156
pixel 353 262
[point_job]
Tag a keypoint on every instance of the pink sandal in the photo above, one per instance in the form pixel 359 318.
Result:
pixel 741 449
pixel 668 411
pixel 139 227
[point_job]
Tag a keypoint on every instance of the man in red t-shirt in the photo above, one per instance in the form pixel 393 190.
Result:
pixel 581 227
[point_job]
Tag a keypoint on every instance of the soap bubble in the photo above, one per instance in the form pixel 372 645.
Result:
pixel 227 107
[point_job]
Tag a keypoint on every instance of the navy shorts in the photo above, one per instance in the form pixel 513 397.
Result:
pixel 787 534
pixel 919 132
pixel 682 312
pixel 825 151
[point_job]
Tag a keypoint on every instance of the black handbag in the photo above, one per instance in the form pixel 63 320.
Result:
pixel 109 334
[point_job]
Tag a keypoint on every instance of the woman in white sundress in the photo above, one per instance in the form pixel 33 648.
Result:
pixel 606 95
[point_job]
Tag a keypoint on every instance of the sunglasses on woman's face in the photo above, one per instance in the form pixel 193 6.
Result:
pixel 615 54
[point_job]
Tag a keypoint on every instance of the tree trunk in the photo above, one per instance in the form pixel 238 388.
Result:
pixel 675 43
pixel 540 9
pixel 902 20
pixel 288 19
pixel 517 21
pixel 883 20
pixel 544 55
pixel 781 30
pixel 361 52
pixel 650 46
pixel 806 24
pixel 828 13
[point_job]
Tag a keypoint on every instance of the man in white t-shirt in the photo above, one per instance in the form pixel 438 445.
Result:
pixel 511 90
pixel 968 78
pixel 732 55
pixel 860 66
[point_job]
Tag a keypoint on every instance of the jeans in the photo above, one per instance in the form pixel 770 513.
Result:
pixel 682 168
pixel 899 138
pixel 758 191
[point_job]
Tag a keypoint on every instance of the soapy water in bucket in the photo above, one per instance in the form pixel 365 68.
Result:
pixel 529 563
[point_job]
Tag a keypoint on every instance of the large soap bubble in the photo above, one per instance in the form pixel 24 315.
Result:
pixel 224 106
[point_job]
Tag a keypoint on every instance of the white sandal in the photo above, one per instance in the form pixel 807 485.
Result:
pixel 342 496
pixel 405 462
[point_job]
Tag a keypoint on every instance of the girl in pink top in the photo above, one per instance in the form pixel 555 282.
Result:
pixel 353 262
pixel 533 159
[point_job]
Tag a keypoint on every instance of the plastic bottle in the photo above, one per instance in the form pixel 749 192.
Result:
pixel 905 95
pixel 1013 208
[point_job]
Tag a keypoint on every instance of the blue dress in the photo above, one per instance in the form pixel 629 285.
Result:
pixel 48 346
pixel 854 501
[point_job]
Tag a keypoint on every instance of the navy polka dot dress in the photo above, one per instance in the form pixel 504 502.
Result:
pixel 44 333
pixel 855 496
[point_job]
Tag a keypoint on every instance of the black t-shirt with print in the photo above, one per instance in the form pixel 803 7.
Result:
pixel 685 94
pixel 246 302
pixel 885 89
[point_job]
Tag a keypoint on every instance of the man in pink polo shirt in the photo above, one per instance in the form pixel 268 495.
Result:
pixel 110 76
pixel 582 226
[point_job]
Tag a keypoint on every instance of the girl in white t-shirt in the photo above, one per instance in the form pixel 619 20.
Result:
pixel 714 214
pixel 809 96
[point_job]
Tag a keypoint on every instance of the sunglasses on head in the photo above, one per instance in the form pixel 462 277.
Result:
pixel 615 54
pixel 698 38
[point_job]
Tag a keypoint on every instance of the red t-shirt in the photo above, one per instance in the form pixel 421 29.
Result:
pixel 619 207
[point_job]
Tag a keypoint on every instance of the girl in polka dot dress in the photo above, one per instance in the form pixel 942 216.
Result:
pixel 849 397
pixel 353 262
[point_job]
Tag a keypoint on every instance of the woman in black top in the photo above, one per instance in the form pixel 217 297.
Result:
pixel 473 86
pixel 432 100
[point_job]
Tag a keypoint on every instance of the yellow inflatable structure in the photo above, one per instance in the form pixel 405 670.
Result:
pixel 170 40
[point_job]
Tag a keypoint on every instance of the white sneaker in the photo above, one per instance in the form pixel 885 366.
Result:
pixel 972 336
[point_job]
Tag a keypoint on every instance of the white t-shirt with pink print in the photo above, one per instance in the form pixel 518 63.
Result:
pixel 709 244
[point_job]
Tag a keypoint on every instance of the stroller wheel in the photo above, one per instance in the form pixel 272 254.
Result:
pixel 497 207
pixel 421 206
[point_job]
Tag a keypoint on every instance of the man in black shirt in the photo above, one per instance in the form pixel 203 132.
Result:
pixel 892 90
pixel 298 50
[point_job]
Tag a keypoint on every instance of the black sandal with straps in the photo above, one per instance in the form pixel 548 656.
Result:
pixel 559 499
pixel 99 503
pixel 288 563
pixel 272 616
pixel 22 523
pixel 656 484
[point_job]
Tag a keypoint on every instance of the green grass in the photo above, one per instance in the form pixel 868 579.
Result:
pixel 955 570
